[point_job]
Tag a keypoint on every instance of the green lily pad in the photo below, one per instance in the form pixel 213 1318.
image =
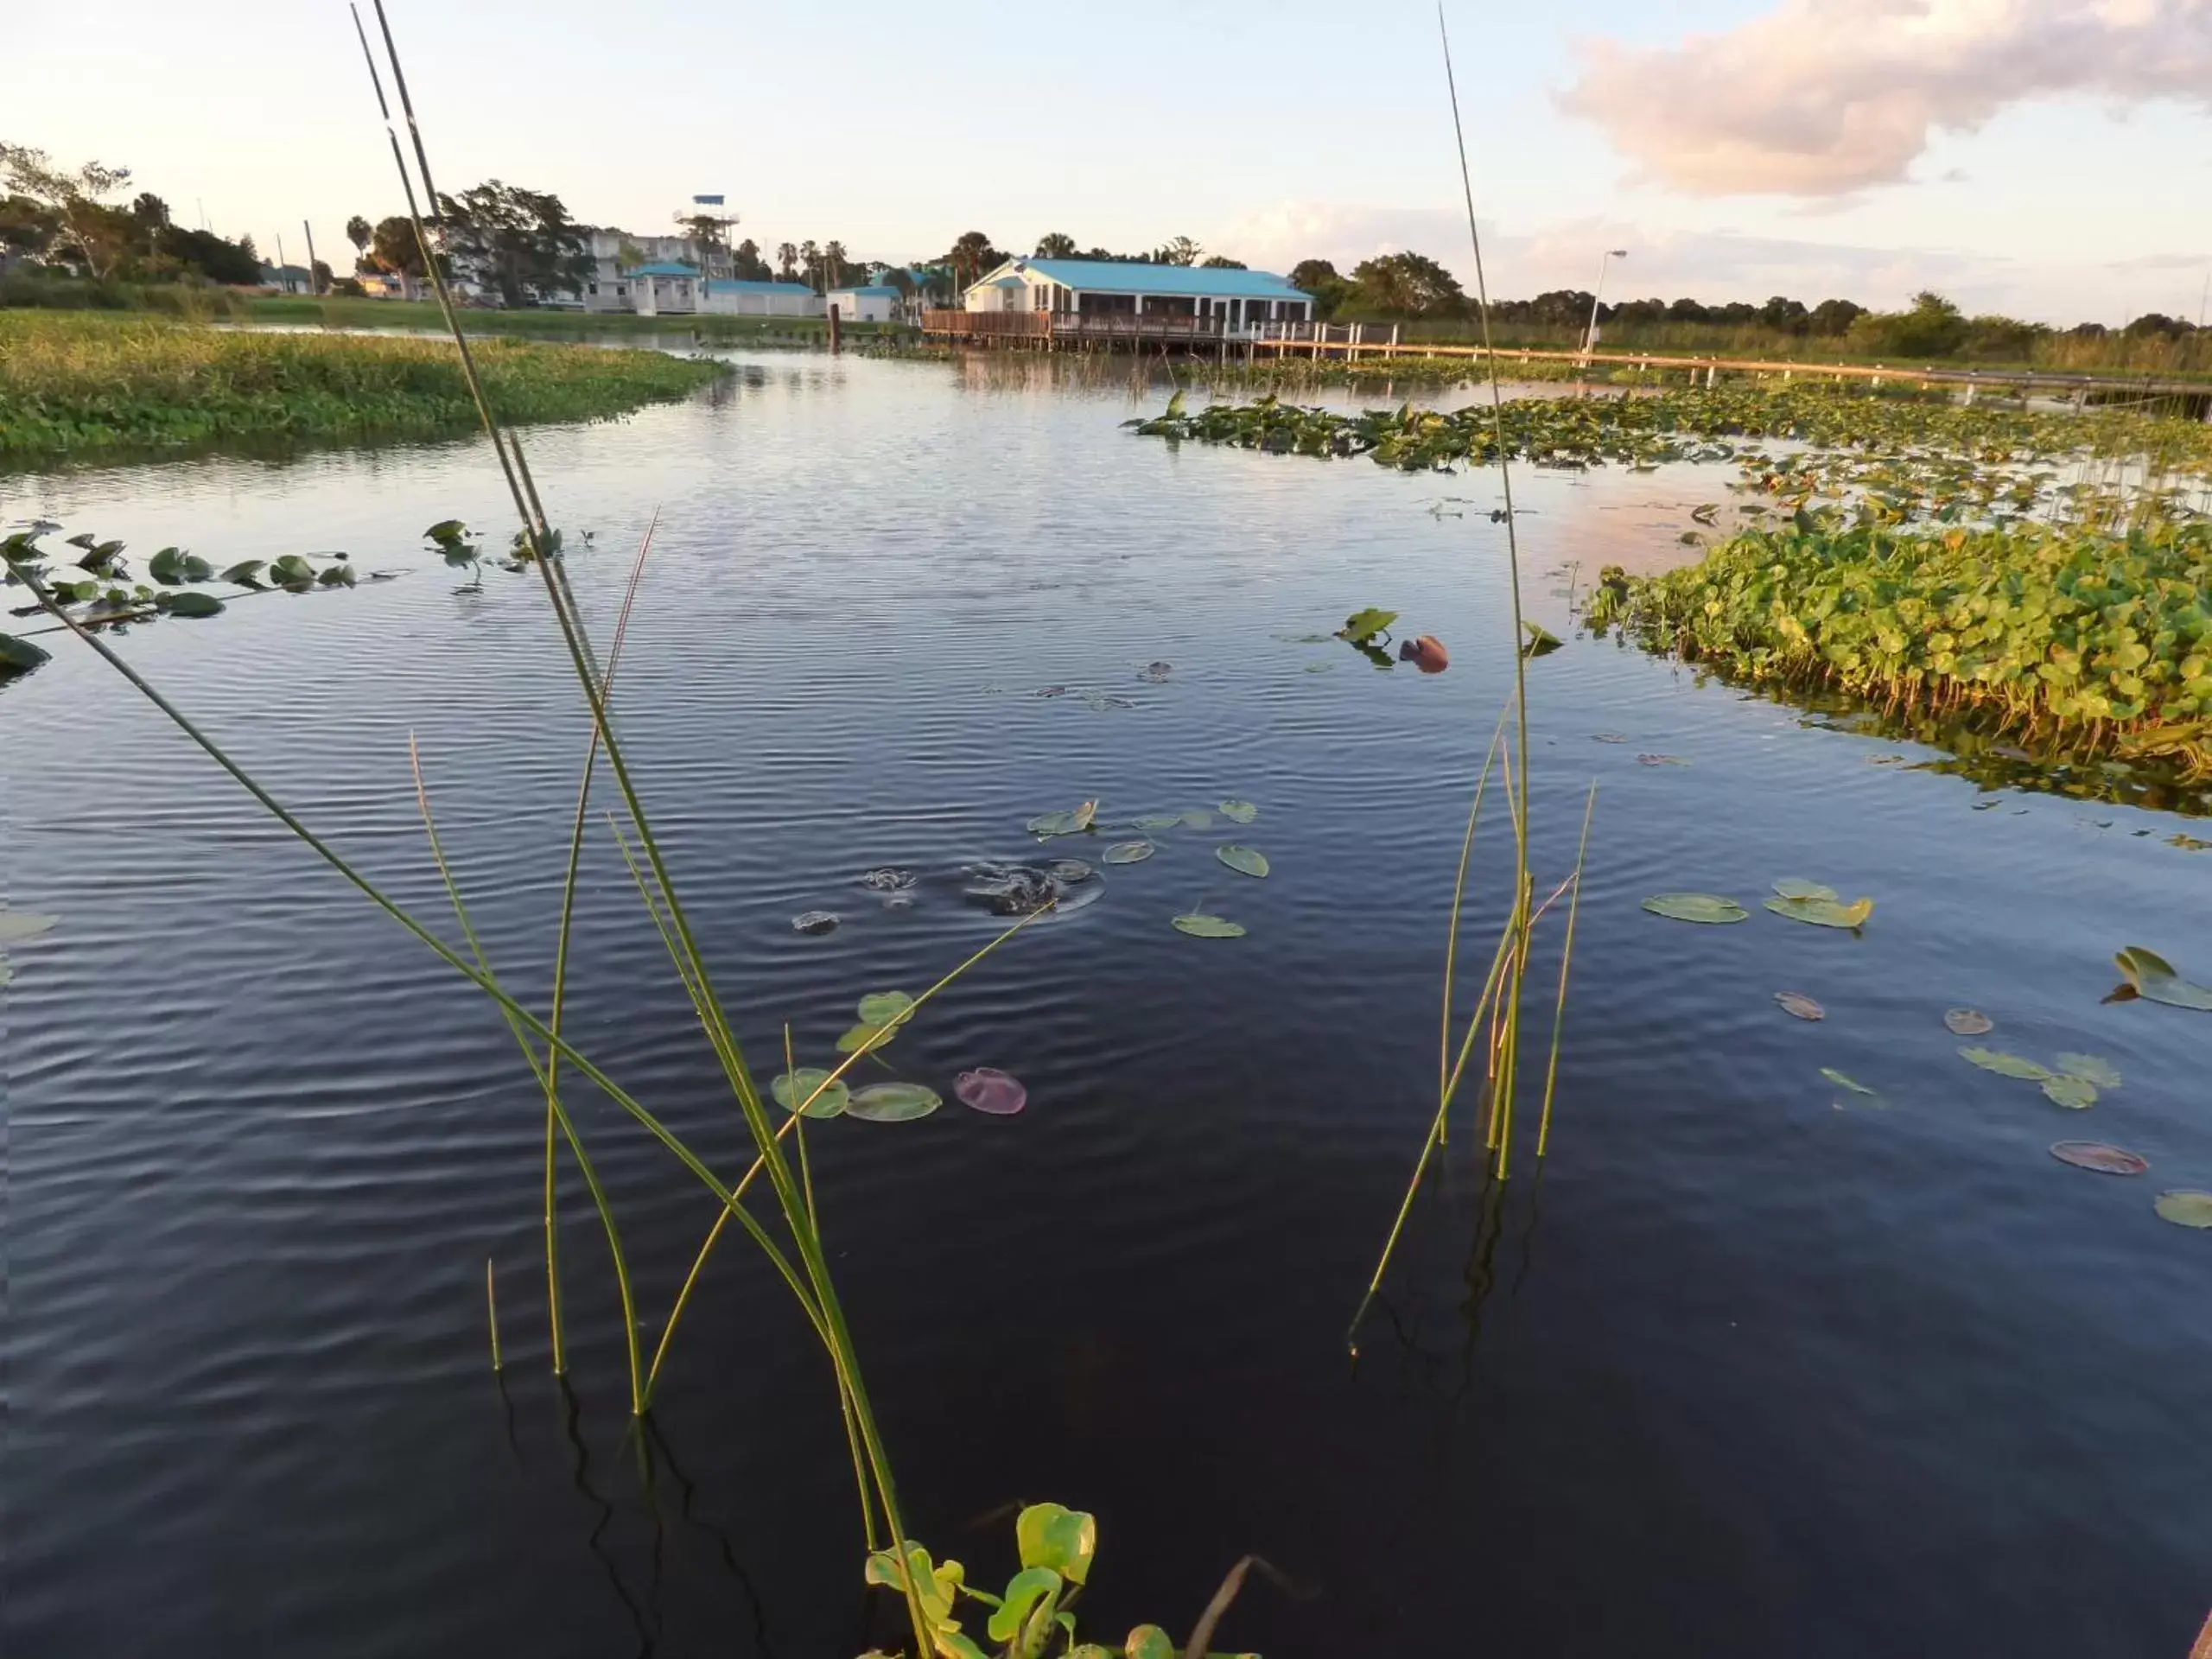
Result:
pixel 2090 1068
pixel 1202 926
pixel 1791 887
pixel 1239 811
pixel 891 1102
pixel 2076 1094
pixel 1058 823
pixel 1968 1022
pixel 1542 640
pixel 865 1037
pixel 1365 625
pixel 2185 1209
pixel 1823 912
pixel 1153 823
pixel 2153 978
pixel 2006 1066
pixel 1149 1642
pixel 809 1086
pixel 1198 818
pixel 885 1008
pixel 193 604
pixel 1696 908
pixel 16 925
pixel 1851 1083
pixel 1243 860
pixel 1130 852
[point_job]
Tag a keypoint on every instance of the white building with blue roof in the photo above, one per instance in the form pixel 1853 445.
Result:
pixel 1219 300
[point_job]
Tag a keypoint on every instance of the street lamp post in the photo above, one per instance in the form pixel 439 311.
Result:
pixel 1590 334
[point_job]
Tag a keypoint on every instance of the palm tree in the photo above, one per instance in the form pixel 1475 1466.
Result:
pixel 833 264
pixel 786 261
pixel 1056 245
pixel 810 256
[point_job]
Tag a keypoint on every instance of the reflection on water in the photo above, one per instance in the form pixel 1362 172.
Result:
pixel 1738 1374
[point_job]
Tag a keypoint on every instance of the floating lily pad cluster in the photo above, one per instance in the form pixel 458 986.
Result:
pixel 816 1091
pixel 1084 820
pixel 95 584
pixel 1800 901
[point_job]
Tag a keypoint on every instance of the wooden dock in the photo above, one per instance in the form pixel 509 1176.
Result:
pixel 1381 344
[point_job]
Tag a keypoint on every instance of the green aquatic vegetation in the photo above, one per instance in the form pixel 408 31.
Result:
pixel 2086 642
pixel 76 384
pixel 1853 1084
pixel 1200 925
pixel 1240 811
pixel 1823 912
pixel 1908 456
pixel 2184 1208
pixel 891 1102
pixel 1245 861
pixel 1709 907
pixel 2076 1094
pixel 2147 975
pixel 2091 1068
pixel 2005 1065
pixel 810 1091
pixel 1130 852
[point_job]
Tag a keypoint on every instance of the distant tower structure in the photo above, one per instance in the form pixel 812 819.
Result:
pixel 708 224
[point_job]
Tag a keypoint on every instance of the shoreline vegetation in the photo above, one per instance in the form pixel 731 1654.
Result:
pixel 79 384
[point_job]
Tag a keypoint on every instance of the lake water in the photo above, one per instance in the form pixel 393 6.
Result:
pixel 1755 1366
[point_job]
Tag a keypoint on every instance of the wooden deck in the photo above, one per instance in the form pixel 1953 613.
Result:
pixel 1049 329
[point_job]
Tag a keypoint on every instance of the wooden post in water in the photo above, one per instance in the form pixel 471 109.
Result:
pixel 834 344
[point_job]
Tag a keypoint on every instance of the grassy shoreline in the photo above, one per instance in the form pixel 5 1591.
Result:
pixel 82 384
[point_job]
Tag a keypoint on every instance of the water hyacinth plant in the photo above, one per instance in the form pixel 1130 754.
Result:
pixel 2086 641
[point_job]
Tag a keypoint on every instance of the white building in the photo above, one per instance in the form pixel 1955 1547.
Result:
pixel 664 290
pixel 755 299
pixel 610 287
pixel 873 304
pixel 1235 300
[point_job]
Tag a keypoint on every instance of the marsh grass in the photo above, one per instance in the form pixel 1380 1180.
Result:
pixel 74 384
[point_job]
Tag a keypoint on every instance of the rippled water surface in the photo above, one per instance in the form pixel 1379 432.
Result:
pixel 1755 1367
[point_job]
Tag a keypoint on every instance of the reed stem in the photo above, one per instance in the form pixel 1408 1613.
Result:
pixel 492 1314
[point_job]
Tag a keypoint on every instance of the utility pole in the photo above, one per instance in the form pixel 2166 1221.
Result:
pixel 1590 334
pixel 309 229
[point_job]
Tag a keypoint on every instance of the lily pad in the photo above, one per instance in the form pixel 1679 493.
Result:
pixel 1130 852
pixel 893 1102
pixel 1790 887
pixel 1968 1022
pixel 862 1037
pixel 1696 908
pixel 1046 825
pixel 886 1008
pixel 1239 811
pixel 1198 818
pixel 2096 1155
pixel 2006 1066
pixel 1800 1006
pixel 2151 976
pixel 1153 823
pixel 1362 625
pixel 17 653
pixel 193 604
pixel 2090 1068
pixel 1243 859
pixel 16 925
pixel 2184 1208
pixel 2076 1094
pixel 1823 912
pixel 1203 926
pixel 1149 1642
pixel 1851 1083
pixel 990 1091
pixel 1661 760
pixel 810 1087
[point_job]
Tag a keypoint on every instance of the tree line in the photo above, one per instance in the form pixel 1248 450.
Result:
pixel 51 214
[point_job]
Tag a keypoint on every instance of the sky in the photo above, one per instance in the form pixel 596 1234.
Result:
pixel 2049 159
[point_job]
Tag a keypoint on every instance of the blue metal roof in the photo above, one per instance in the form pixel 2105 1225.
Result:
pixel 749 286
pixel 662 269
pixel 1111 276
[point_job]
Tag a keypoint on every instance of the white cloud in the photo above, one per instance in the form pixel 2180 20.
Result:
pixel 1822 97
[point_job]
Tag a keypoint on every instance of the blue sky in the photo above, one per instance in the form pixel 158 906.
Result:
pixel 2049 157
